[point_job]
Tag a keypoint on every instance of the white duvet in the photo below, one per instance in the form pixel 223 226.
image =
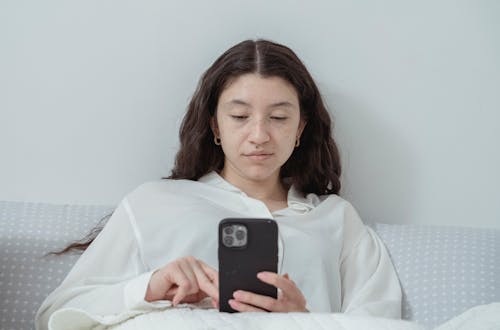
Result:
pixel 478 318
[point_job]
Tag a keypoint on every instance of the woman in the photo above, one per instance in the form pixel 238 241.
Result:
pixel 255 142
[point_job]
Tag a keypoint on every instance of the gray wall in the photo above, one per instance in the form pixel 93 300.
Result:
pixel 92 94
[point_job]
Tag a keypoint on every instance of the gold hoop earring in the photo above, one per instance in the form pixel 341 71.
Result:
pixel 297 143
pixel 217 140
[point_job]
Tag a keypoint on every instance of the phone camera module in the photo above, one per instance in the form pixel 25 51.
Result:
pixel 234 235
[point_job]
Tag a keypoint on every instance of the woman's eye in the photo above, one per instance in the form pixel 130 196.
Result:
pixel 278 118
pixel 236 117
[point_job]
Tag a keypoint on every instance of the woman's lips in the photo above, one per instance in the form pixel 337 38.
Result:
pixel 258 156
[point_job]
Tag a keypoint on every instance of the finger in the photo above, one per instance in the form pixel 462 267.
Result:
pixel 172 291
pixel 259 301
pixel 281 282
pixel 286 286
pixel 204 282
pixel 178 277
pixel 212 274
pixel 186 264
pixel 215 303
pixel 241 307
pixel 192 297
pixel 179 295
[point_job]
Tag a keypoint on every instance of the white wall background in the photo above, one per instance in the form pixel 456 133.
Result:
pixel 92 93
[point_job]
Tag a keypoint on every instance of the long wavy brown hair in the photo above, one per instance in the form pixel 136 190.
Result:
pixel 313 167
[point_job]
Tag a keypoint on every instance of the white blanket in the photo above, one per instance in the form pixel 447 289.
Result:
pixel 485 317
pixel 211 319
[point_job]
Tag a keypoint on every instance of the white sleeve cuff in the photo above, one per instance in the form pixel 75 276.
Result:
pixel 135 292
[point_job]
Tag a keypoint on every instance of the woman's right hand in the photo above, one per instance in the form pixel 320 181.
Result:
pixel 185 280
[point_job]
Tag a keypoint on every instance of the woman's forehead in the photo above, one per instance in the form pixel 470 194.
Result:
pixel 250 88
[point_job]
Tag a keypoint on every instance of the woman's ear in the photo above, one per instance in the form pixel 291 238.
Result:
pixel 214 126
pixel 302 125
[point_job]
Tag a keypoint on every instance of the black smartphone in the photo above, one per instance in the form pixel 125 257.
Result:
pixel 246 247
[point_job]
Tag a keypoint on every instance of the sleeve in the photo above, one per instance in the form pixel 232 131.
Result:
pixel 369 282
pixel 107 284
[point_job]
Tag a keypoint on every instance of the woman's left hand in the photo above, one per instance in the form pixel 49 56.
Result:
pixel 290 299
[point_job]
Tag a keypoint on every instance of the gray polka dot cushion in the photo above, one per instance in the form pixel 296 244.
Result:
pixel 27 232
pixel 443 270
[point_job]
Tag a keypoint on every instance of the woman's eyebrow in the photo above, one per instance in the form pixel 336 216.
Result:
pixel 280 104
pixel 284 104
pixel 237 102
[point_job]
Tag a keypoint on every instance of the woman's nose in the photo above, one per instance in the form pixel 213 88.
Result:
pixel 259 132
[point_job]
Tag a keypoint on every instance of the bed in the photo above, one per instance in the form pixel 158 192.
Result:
pixel 444 271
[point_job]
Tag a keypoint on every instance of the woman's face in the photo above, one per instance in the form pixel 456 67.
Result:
pixel 258 122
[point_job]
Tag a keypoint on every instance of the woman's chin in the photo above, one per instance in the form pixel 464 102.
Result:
pixel 260 174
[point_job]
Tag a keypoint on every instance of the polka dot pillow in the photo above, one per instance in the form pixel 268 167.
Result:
pixel 27 232
pixel 443 270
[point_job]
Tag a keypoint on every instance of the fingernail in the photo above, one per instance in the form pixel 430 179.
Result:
pixel 261 275
pixel 237 294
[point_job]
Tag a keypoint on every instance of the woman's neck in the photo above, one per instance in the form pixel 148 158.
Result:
pixel 269 190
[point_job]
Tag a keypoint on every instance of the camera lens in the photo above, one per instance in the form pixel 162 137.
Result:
pixel 228 230
pixel 240 234
pixel 228 241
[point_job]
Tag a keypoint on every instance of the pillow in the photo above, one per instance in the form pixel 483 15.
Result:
pixel 443 270
pixel 27 232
